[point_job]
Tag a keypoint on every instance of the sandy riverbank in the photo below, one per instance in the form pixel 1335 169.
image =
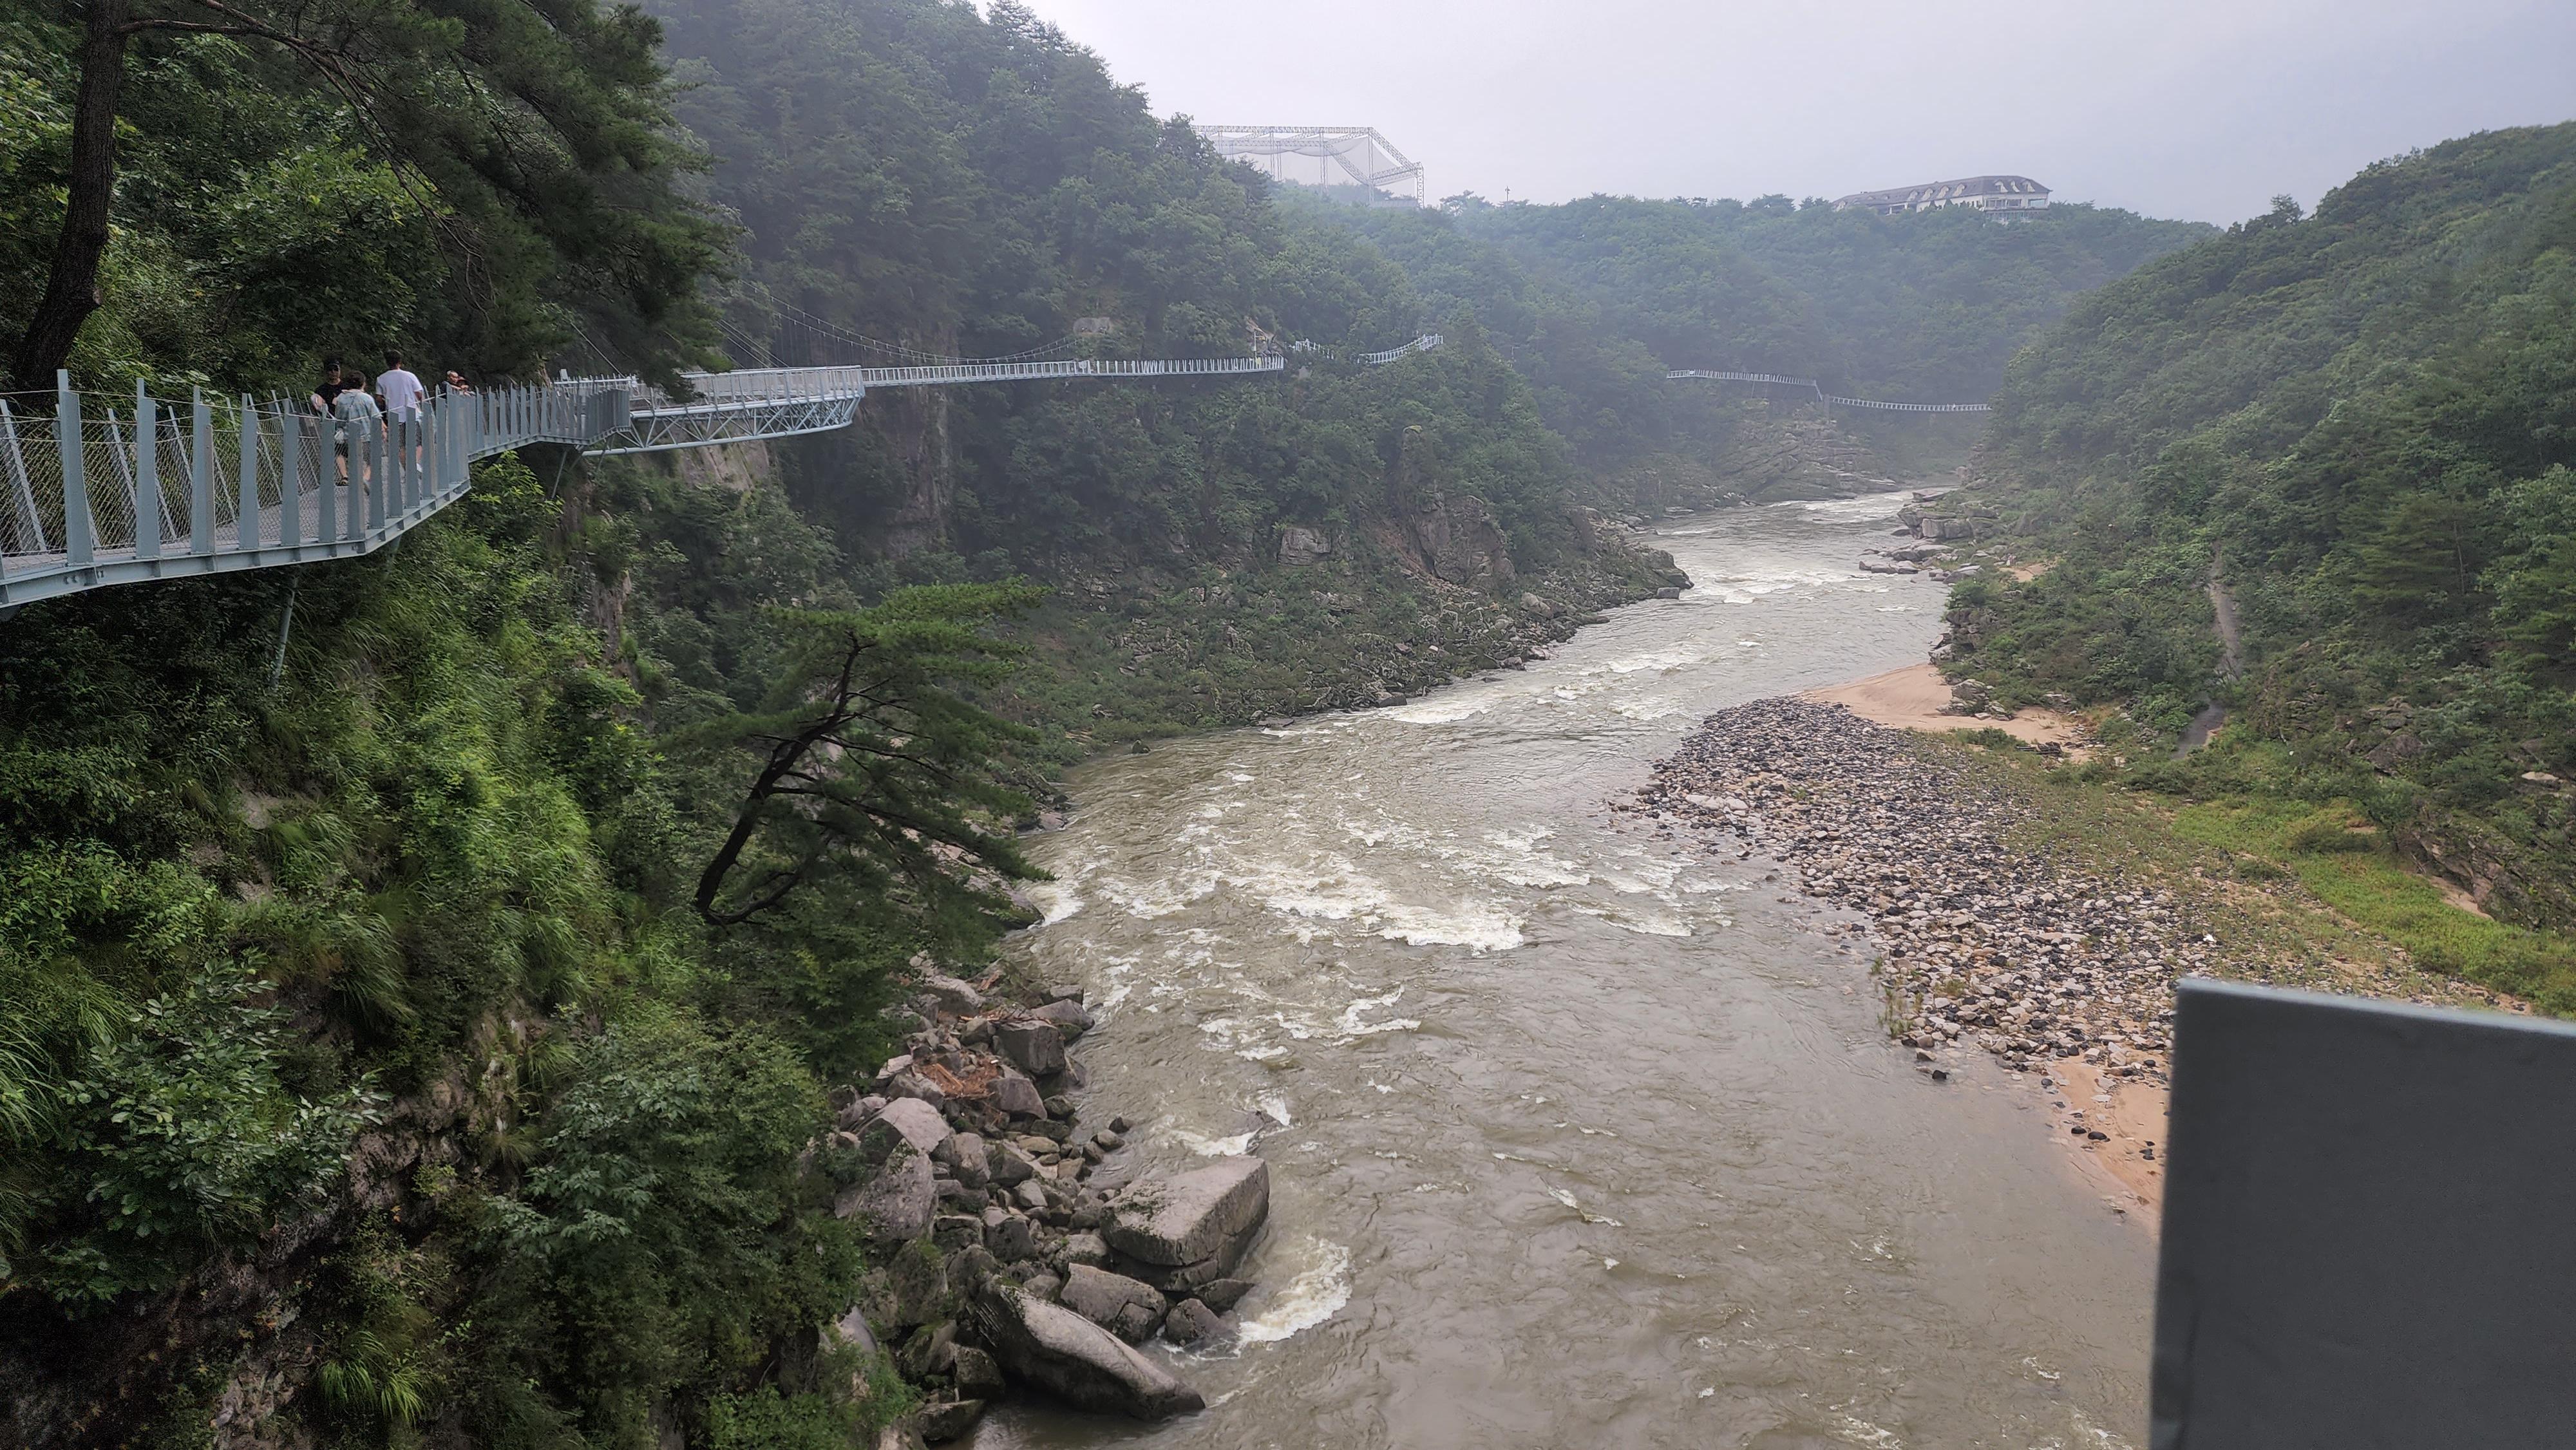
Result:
pixel 2133 1114
pixel 2131 1110
pixel 1915 697
pixel 2063 977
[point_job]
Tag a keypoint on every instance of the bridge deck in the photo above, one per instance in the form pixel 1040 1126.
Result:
pixel 318 512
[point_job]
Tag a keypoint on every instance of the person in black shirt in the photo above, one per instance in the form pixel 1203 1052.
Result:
pixel 333 385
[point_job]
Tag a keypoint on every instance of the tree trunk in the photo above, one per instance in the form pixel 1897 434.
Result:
pixel 71 290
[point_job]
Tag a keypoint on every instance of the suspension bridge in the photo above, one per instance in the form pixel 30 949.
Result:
pixel 1828 399
pixel 104 491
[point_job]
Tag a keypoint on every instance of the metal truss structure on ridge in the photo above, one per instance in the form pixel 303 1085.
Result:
pixel 1359 152
pixel 1828 399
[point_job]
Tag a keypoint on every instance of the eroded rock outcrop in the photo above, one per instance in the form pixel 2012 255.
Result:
pixel 1074 1359
pixel 1193 1228
pixel 1460 542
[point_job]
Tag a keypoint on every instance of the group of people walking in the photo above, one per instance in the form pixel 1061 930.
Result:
pixel 357 410
pixel 346 397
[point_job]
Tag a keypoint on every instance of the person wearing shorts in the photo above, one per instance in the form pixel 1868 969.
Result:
pixel 358 418
pixel 401 390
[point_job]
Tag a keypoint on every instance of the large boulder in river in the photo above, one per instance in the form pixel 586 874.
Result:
pixel 1067 1355
pixel 1115 1302
pixel 1032 1044
pixel 1068 1016
pixel 1191 1228
pixel 1191 1322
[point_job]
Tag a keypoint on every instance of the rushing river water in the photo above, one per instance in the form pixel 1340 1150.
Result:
pixel 1578 1137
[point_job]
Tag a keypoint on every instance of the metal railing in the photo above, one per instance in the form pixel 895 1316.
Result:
pixel 1809 383
pixel 749 404
pixel 1834 402
pixel 116 490
pixel 113 490
pixel 1425 343
pixel 917 377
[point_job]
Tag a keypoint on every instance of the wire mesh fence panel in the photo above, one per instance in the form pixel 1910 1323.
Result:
pixel 170 479
pixel 31 517
pixel 109 462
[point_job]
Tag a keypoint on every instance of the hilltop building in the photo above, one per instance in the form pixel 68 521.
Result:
pixel 1984 193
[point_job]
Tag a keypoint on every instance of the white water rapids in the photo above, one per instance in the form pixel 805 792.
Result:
pixel 1579 1137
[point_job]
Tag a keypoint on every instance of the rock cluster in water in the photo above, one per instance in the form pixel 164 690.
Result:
pixel 1985 945
pixel 1013 1249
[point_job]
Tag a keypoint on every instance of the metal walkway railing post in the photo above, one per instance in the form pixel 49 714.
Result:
pixel 405 487
pixel 246 490
pixel 146 477
pixel 365 446
pixel 79 534
pixel 201 476
pixel 326 494
pixel 290 482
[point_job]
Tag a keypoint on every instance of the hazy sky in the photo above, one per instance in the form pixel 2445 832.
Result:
pixel 2186 108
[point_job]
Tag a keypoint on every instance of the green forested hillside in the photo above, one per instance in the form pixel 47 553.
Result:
pixel 1596 299
pixel 484 185
pixel 364 1065
pixel 2361 421
pixel 394 1047
pixel 908 170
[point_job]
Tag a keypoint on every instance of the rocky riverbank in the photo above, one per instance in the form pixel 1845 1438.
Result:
pixel 1982 946
pixel 1146 652
pixel 1016 1251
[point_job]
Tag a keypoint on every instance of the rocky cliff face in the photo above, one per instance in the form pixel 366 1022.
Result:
pixel 914 422
pixel 1459 542
pixel 1773 458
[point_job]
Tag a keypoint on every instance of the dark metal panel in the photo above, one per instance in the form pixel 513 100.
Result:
pixel 2369 1228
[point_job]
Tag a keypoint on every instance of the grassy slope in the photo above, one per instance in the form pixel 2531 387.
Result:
pixel 2359 418
pixel 2298 894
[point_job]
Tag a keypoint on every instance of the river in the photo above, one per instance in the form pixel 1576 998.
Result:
pixel 1579 1136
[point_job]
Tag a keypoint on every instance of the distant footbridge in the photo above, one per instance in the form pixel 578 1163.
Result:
pixel 1828 399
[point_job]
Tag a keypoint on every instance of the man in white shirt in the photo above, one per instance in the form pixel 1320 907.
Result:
pixel 401 391
pixel 399 388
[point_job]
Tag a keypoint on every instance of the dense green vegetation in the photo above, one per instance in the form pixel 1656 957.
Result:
pixel 2360 421
pixel 377 998
pixel 421 1044
pixel 1596 299
pixel 481 184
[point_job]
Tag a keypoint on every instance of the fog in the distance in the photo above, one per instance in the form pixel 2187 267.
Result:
pixel 2187 108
